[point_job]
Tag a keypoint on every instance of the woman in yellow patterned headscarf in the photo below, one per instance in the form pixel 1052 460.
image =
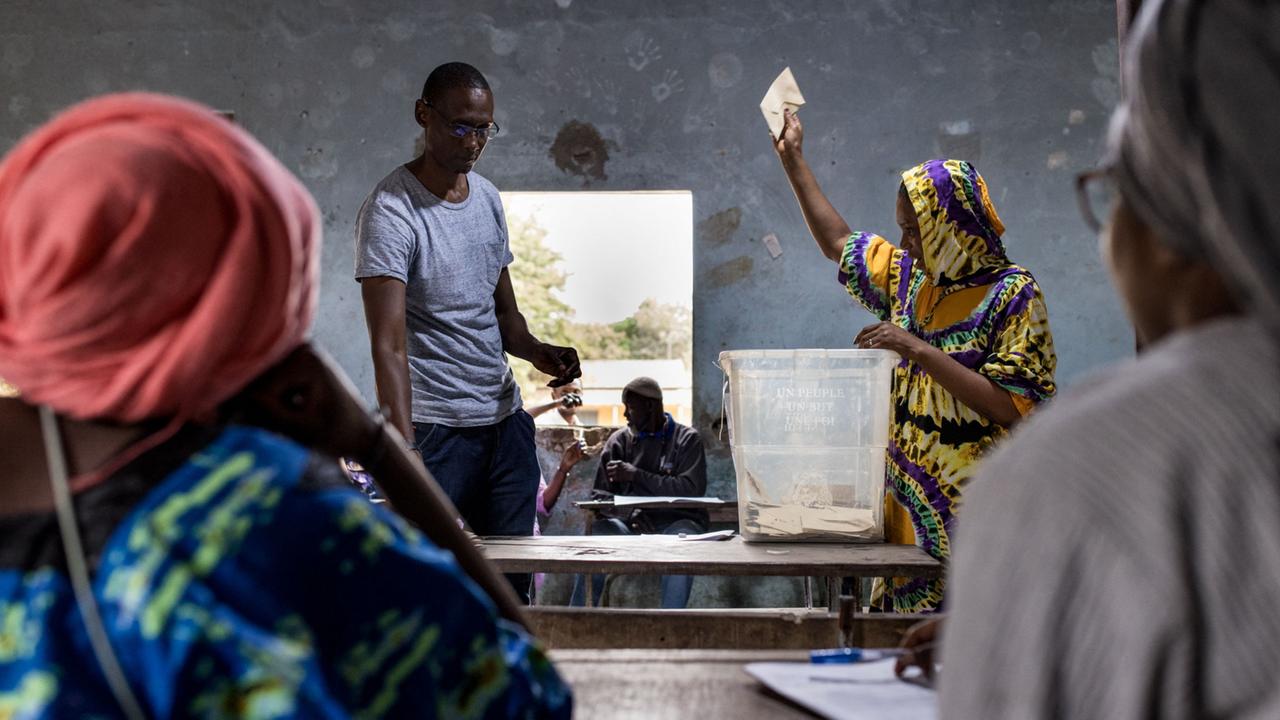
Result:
pixel 972 330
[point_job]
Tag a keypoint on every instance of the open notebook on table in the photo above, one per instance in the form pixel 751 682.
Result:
pixel 848 691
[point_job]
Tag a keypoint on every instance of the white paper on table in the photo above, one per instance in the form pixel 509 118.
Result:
pixel 713 536
pixel 848 691
pixel 783 94
pixel 625 500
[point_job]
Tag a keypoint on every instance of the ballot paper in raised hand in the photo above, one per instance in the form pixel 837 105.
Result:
pixel 783 94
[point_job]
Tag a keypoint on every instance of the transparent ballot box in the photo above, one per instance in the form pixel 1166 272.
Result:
pixel 808 430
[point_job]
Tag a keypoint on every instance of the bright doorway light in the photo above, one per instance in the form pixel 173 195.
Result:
pixel 610 273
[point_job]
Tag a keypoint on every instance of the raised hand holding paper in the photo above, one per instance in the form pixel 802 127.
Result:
pixel 783 94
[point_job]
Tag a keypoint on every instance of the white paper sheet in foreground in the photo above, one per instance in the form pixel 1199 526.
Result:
pixel 783 94
pixel 850 691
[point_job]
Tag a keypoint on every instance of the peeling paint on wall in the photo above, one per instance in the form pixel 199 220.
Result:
pixel 728 273
pixel 579 149
pixel 719 228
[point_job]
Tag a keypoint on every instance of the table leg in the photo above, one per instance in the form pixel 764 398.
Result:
pixel 845 621
pixel 589 516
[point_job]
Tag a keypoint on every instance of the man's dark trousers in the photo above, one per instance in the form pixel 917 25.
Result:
pixel 490 473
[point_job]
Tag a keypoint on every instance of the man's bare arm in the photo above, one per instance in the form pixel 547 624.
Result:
pixel 558 362
pixel 516 338
pixel 384 314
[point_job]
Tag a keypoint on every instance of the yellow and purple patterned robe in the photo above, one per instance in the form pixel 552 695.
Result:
pixel 970 301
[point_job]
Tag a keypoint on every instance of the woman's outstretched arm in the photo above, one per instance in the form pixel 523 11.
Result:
pixel 827 226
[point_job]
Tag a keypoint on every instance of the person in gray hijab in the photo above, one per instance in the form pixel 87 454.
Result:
pixel 1138 517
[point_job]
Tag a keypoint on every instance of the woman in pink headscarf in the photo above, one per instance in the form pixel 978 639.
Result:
pixel 167 554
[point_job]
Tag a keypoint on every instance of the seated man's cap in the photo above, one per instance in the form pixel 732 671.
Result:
pixel 643 387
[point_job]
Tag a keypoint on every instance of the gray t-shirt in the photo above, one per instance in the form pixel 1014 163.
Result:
pixel 449 256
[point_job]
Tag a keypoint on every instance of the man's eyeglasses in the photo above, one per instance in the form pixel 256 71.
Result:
pixel 1096 194
pixel 461 130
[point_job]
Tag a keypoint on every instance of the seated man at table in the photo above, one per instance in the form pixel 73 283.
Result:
pixel 653 455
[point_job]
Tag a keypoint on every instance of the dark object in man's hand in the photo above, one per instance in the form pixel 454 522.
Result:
pixel 560 362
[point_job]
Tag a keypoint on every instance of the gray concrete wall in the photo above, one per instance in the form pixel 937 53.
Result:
pixel 642 95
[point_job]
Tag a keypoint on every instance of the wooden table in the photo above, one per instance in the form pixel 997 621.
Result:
pixel 658 684
pixel 669 555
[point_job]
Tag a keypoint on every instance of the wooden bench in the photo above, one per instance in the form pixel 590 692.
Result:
pixel 713 628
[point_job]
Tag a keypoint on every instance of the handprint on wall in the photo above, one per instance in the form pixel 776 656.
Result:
pixel 642 53
pixel 669 85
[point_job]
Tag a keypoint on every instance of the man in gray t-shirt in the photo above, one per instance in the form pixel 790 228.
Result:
pixel 431 257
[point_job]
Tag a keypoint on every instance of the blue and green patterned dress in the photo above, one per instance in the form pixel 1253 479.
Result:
pixel 241 576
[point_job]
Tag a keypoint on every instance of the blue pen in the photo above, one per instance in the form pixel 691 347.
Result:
pixel 852 655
